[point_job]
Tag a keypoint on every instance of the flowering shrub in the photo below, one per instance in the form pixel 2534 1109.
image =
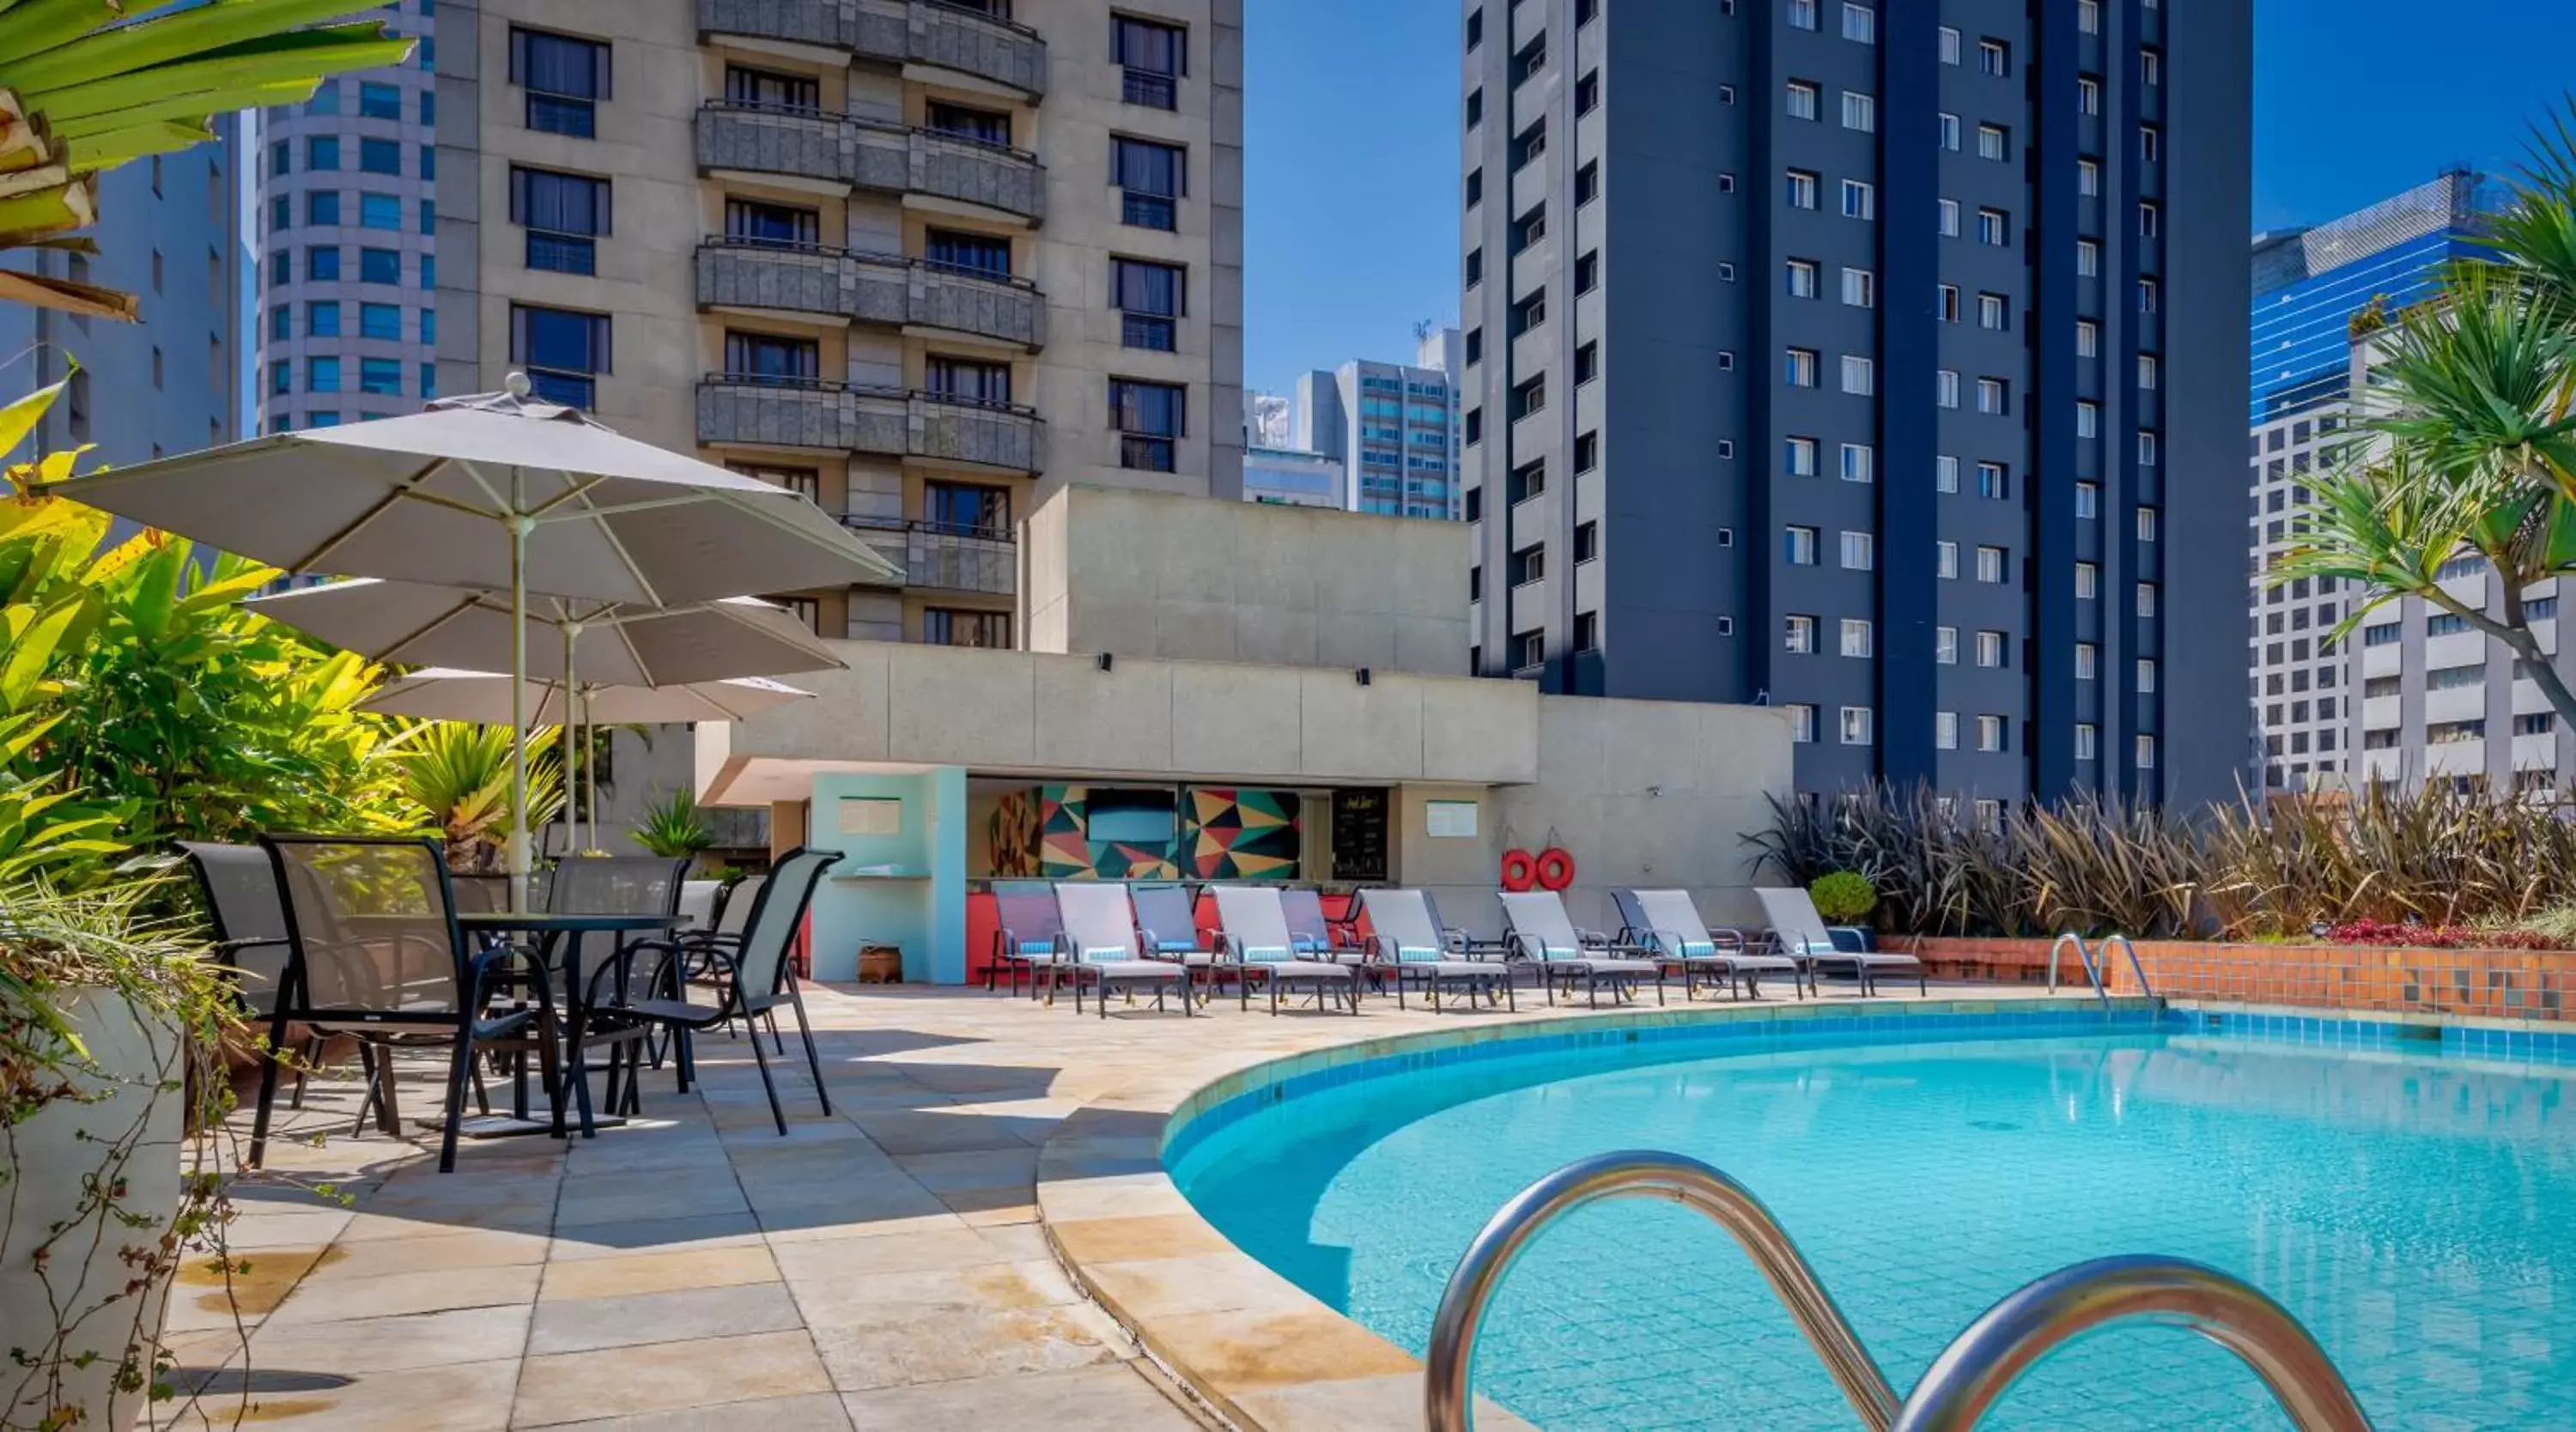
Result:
pixel 2438 937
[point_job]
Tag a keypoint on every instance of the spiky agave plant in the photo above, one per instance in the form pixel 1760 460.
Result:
pixel 458 774
pixel 87 85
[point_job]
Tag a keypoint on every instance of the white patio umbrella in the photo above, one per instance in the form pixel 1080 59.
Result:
pixel 594 643
pixel 497 492
pixel 445 694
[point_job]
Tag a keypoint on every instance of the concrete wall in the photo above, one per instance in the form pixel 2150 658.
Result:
pixel 1143 574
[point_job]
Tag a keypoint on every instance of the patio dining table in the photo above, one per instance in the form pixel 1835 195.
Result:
pixel 560 947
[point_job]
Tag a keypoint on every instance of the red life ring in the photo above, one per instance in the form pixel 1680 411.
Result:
pixel 1555 868
pixel 1520 870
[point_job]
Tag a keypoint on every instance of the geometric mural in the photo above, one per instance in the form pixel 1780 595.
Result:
pixel 1225 834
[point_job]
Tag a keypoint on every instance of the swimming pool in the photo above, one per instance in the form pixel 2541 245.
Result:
pixel 2416 1209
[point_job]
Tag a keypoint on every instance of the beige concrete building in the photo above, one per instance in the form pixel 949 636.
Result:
pixel 928 260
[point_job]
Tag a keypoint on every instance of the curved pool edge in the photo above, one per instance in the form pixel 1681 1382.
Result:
pixel 1253 1348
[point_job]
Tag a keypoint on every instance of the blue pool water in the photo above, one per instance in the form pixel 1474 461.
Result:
pixel 2418 1212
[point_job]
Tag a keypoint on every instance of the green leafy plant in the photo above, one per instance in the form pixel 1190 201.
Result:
pixel 102 1263
pixel 87 85
pixel 1842 897
pixel 672 827
pixel 456 776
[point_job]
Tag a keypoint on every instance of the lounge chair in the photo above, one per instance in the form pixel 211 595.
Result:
pixel 1798 932
pixel 1408 944
pixel 1254 938
pixel 1307 926
pixel 1167 924
pixel 1029 936
pixel 1542 934
pixel 1102 948
pixel 1667 923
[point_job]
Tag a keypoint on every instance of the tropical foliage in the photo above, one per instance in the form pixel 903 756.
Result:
pixel 1842 896
pixel 457 774
pixel 673 828
pixel 2094 864
pixel 87 85
pixel 2464 458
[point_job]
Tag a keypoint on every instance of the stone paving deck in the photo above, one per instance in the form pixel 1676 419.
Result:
pixel 882 1266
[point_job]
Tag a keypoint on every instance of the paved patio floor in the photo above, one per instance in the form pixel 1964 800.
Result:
pixel 880 1267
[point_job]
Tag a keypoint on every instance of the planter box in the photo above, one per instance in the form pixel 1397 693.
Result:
pixel 2498 984
pixel 83 1273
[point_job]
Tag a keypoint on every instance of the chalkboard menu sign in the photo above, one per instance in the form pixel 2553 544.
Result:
pixel 1359 835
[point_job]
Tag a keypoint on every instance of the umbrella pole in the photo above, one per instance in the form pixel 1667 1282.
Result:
pixel 520 523
pixel 576 736
pixel 590 769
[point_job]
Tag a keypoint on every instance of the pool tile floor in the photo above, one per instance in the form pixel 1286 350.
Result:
pixel 883 1266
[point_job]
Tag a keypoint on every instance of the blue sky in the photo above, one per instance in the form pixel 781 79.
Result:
pixel 1351 135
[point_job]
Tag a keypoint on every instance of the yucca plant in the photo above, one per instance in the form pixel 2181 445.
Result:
pixel 87 85
pixel 673 828
pixel 458 774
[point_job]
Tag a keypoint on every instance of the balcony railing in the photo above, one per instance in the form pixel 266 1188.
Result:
pixel 870 288
pixel 890 422
pixel 870 154
pixel 942 557
pixel 924 32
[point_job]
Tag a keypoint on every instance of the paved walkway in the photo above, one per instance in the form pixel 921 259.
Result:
pixel 880 1267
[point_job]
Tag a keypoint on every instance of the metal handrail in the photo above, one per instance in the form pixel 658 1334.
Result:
pixel 1447 1403
pixel 1982 1363
pixel 2135 967
pixel 2081 953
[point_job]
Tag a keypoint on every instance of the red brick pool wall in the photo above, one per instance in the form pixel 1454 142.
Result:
pixel 2504 984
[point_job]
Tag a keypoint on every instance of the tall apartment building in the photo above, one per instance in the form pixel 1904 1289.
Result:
pixel 2437 700
pixel 2312 287
pixel 170 383
pixel 1394 427
pixel 347 214
pixel 924 260
pixel 1872 359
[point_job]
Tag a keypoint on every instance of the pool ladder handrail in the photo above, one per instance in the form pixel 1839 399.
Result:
pixel 2092 969
pixel 1969 1376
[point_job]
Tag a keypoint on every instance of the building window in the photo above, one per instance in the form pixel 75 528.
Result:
pixel 1800 368
pixel 1994 57
pixel 1149 297
pixel 1801 192
pixel 1529 144
pixel 1993 481
pixel 2146 749
pixel 1798 546
pixel 1945 730
pixel 1858 638
pixel 2088 16
pixel 1860 288
pixel 2146 524
pixel 379 320
pixel 1528 396
pixel 2088 178
pixel 1529 228
pixel 2088 259
pixel 2151 143
pixel 2149 294
pixel 1860 24
pixel 1531 59
pixel 772 360
pixel 1950 132
pixel 2088 95
pixel 380 211
pixel 1798 456
pixel 1587 541
pixel 1994 227
pixel 1587 272
pixel 1994 142
pixel 1587 631
pixel 1802 722
pixel 321 207
pixel 949 626
pixel 1587 361
pixel 2088 338
pixel 380 156
pixel 1990 733
pixel 1856 725
pixel 1802 278
pixel 1945 303
pixel 1860 112
pixel 1945 560
pixel 2146 449
pixel 2146 674
pixel 1587 451
pixel 1946 218
pixel 1149 419
pixel 322 318
pixel 773 90
pixel 1990 565
pixel 1992 312
pixel 2088 658
pixel 1990 649
pixel 1587 182
pixel 1945 473
pixel 1860 375
pixel 1798 635
pixel 564 214
pixel 1945 646
pixel 1530 647
pixel 1860 201
pixel 563 352
pixel 1587 93
pixel 380 266
pixel 2147 600
pixel 322 152
pixel 1802 14
pixel 1859 552
pixel 375 101
pixel 2088 418
pixel 322 375
pixel 2088 581
pixel 1154 58
pixel 2088 498
pixel 1860 463
pixel 1152 179
pixel 1949 45
pixel 321 264
pixel 1802 100
pixel 2150 371
pixel 1945 388
pixel 1994 396
pixel 381 376
pixel 2150 219
pixel 2151 67
pixel 566 79
pixel 1475 107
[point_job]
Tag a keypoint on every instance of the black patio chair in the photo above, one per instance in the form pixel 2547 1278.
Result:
pixel 374 951
pixel 238 884
pixel 751 978
pixel 610 885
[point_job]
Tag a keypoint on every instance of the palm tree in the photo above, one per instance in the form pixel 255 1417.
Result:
pixel 87 85
pixel 2466 445
pixel 458 774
